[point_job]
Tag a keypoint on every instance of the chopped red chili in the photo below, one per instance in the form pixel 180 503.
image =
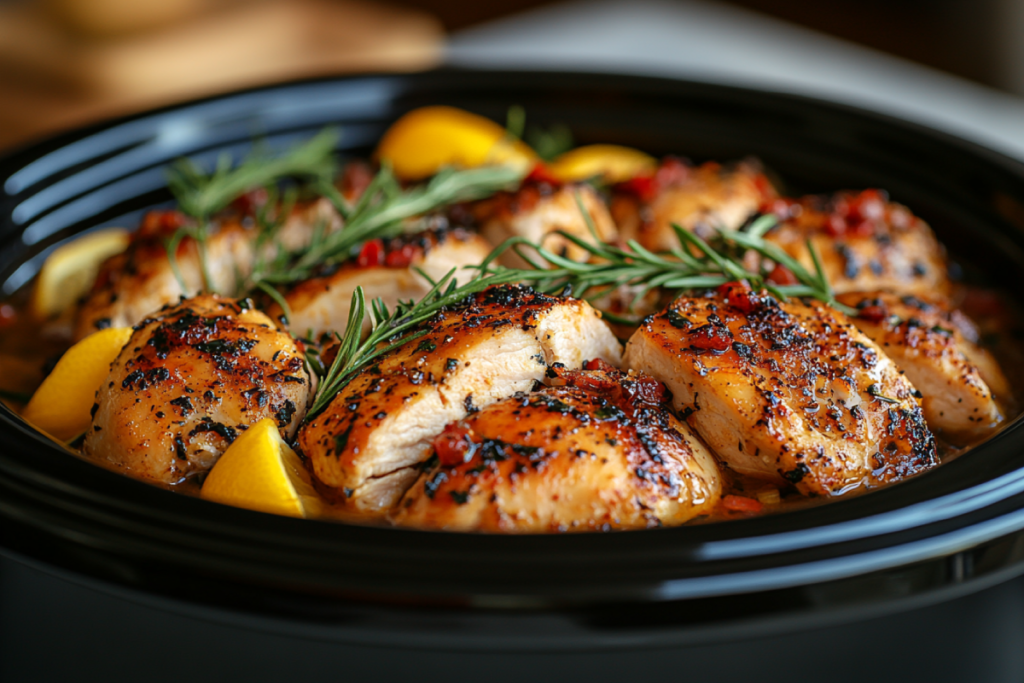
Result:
pixel 711 338
pixel 598 364
pixel 402 257
pixel 874 314
pixel 648 390
pixel 453 444
pixel 781 275
pixel 372 254
pixel 643 187
pixel 740 296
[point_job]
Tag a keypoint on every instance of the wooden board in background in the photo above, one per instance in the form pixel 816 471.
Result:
pixel 51 80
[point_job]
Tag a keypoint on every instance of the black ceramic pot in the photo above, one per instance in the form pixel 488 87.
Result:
pixel 795 596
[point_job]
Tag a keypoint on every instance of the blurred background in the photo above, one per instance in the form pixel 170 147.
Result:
pixel 67 62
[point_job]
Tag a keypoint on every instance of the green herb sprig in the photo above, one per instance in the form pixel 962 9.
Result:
pixel 390 329
pixel 610 267
pixel 380 212
pixel 200 194
pixel 383 208
pixel 695 264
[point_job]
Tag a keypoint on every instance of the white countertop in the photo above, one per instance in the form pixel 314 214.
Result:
pixel 707 41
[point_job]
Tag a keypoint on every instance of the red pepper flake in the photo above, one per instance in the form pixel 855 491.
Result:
pixel 742 504
pixel 869 205
pixel 453 444
pixel 648 390
pixel 401 257
pixel 644 188
pixel 542 175
pixel 781 275
pixel 835 225
pixel 711 338
pixel 740 296
pixel 372 254
pixel 874 314
pixel 598 364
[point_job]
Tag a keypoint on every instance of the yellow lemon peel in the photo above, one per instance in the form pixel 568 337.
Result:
pixel 259 471
pixel 426 140
pixel 62 405
pixel 613 163
pixel 70 270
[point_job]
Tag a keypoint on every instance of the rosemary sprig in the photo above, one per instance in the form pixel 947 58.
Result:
pixel 391 329
pixel 695 265
pixel 381 211
pixel 201 194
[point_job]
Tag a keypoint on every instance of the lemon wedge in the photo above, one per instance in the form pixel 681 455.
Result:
pixel 425 140
pixel 261 472
pixel 62 405
pixel 70 270
pixel 613 163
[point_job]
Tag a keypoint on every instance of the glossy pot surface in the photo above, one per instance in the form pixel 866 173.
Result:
pixel 952 531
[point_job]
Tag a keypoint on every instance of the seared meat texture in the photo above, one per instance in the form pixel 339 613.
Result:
pixel 367 444
pixel 188 381
pixel 700 199
pixel 789 392
pixel 923 337
pixel 537 212
pixel 599 453
pixel 865 242
pixel 133 284
pixel 383 269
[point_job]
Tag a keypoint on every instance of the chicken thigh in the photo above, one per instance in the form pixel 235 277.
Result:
pixel 189 380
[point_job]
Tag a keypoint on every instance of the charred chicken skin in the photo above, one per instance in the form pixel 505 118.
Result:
pixel 367 444
pixel 865 243
pixel 601 452
pixel 788 392
pixel 955 376
pixel 190 379
pixel 389 270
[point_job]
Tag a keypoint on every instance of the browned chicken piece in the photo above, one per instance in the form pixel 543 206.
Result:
pixel 788 392
pixel 865 242
pixel 538 211
pixel 133 284
pixel 388 270
pixel 368 443
pixel 700 199
pixel 189 380
pixel 924 338
pixel 600 453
